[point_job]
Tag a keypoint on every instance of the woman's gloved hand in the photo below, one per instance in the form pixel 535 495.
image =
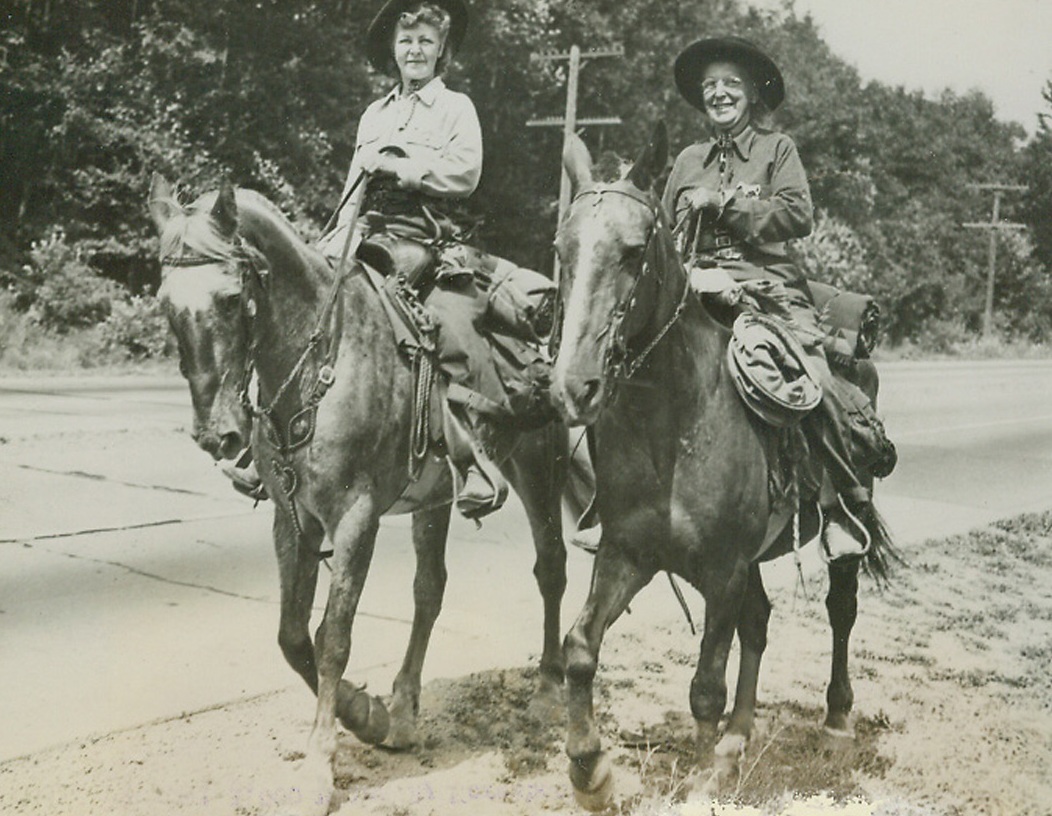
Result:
pixel 705 200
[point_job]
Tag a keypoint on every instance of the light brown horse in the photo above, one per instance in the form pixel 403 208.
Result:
pixel 331 436
pixel 681 469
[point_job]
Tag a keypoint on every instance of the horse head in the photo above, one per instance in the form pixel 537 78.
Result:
pixel 202 294
pixel 610 237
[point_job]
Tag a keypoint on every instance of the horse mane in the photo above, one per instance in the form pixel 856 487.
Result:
pixel 192 227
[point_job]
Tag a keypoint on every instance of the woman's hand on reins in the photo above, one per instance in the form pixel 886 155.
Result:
pixel 705 201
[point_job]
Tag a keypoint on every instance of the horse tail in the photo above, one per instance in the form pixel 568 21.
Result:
pixel 883 555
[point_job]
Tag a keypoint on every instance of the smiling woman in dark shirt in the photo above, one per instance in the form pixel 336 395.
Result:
pixel 737 197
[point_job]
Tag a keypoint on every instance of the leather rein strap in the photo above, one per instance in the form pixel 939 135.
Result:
pixel 626 367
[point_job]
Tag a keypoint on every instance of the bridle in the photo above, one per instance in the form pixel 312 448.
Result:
pixel 323 342
pixel 619 364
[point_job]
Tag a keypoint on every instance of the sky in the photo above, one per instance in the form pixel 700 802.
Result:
pixel 1001 47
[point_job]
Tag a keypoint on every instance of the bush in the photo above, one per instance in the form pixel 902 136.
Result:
pixel 136 329
pixel 66 293
pixel 833 254
pixel 25 345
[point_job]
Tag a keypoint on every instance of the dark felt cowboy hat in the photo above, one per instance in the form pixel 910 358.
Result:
pixel 692 61
pixel 381 30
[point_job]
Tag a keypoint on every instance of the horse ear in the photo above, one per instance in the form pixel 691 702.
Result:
pixel 224 213
pixel 162 201
pixel 578 163
pixel 651 160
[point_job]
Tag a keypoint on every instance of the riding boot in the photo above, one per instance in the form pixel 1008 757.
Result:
pixel 480 488
pixel 245 476
pixel 843 497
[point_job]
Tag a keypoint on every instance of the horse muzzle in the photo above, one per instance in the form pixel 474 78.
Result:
pixel 225 445
pixel 578 397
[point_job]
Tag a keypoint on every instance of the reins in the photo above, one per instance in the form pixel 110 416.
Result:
pixel 626 367
pixel 326 334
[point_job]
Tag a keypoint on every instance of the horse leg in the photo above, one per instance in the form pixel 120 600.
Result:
pixel 430 530
pixel 724 592
pixel 752 635
pixel 298 574
pixel 539 474
pixel 353 542
pixel 615 581
pixel 842 605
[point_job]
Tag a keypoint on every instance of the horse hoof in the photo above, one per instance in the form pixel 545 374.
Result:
pixel 366 717
pixel 402 735
pixel 310 791
pixel 730 751
pixel 838 733
pixel 547 704
pixel 597 792
pixel 839 726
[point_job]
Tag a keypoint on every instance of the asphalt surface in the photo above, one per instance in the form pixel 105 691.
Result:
pixel 135 585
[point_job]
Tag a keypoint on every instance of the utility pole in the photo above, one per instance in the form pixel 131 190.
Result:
pixel 569 122
pixel 994 225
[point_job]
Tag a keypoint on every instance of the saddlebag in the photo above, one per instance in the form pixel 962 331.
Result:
pixel 850 321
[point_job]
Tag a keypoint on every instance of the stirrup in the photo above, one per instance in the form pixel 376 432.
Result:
pixel 862 539
pixel 245 477
pixel 474 501
pixel 588 538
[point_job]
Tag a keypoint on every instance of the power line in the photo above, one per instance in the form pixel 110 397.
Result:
pixel 994 225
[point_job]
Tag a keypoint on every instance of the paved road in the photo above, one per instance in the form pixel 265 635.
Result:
pixel 135 585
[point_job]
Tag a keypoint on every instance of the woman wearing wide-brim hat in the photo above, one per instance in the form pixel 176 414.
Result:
pixel 418 156
pixel 420 144
pixel 737 196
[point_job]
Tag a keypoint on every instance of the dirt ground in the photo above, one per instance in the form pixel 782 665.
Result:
pixel 953 716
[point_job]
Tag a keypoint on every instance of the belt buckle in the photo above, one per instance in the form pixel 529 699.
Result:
pixel 723 240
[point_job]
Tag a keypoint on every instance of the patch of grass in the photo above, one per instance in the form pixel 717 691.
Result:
pixel 788 755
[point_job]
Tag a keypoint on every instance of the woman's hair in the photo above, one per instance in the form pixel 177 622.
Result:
pixel 433 15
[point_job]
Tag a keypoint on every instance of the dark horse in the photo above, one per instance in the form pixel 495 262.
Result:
pixel 331 436
pixel 681 468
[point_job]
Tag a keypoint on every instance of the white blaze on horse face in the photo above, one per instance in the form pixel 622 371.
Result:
pixel 194 289
pixel 192 298
pixel 584 316
pixel 200 302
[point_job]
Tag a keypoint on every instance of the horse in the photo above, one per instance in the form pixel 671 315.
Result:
pixel 247 298
pixel 681 469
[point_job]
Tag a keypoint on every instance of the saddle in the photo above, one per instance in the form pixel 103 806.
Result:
pixel 404 272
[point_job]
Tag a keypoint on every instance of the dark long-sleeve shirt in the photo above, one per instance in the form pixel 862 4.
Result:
pixel 766 198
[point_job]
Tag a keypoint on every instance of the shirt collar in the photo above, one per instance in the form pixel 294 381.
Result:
pixel 742 145
pixel 428 94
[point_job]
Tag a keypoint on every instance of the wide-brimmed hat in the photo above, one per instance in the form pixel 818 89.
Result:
pixel 381 29
pixel 690 65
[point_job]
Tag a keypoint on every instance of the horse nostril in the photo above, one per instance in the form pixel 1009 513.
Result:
pixel 230 445
pixel 584 393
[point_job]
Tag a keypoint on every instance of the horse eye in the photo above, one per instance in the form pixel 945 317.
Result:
pixel 229 303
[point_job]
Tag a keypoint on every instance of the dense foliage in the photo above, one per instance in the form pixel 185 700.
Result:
pixel 95 95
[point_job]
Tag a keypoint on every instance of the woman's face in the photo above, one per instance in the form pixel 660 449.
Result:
pixel 727 93
pixel 416 51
